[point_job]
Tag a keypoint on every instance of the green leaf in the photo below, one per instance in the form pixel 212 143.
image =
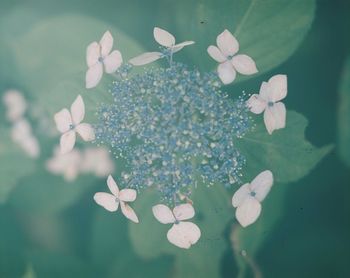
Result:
pixel 111 251
pixel 15 164
pixel 268 30
pixel 214 211
pixel 344 115
pixel 286 152
pixel 54 264
pixel 43 192
pixel 53 52
pixel 290 157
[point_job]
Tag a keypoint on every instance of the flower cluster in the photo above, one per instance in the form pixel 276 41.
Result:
pixel 175 127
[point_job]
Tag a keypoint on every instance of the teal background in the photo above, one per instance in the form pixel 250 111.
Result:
pixel 43 237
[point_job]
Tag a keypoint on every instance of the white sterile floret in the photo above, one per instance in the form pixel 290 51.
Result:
pixel 99 55
pixel 15 105
pixel 69 123
pixel 268 101
pixel 111 201
pixel 165 39
pixel 21 134
pixel 182 234
pixel 97 161
pixel 248 197
pixel 225 53
pixel 67 164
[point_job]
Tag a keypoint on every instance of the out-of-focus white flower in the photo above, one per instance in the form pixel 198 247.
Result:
pixel 21 134
pixel 268 100
pixel 111 201
pixel 67 164
pixel 97 161
pixel 183 234
pixel 15 105
pixel 164 38
pixel 99 55
pixel 68 123
pixel 225 53
pixel 248 197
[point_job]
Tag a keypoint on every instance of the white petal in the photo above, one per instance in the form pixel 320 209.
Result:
pixel 240 195
pixel 181 45
pixel 145 58
pixel 216 54
pixel 78 110
pixel 106 43
pixel 183 212
pixel 184 234
pixel 265 91
pixel 256 104
pixel 248 212
pixel 112 185
pixel 93 75
pixel 244 64
pixel 85 131
pixel 127 195
pixel 16 105
pixel 31 146
pixel 261 185
pixel 106 200
pixel 226 72
pixel 63 120
pixel 227 43
pixel 278 85
pixel 275 117
pixel 163 37
pixel 129 212
pixel 67 141
pixel 163 214
pixel 113 61
pixel 92 54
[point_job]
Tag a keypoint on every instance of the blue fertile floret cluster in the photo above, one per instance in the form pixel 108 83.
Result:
pixel 174 127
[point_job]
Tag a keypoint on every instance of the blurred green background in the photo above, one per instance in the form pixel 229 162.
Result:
pixel 52 228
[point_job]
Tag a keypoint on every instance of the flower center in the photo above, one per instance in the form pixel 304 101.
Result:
pixel 177 222
pixel 253 194
pixel 100 59
pixel 229 57
pixel 270 103
pixel 71 126
pixel 117 200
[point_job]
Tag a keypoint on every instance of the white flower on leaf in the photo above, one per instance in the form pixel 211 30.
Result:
pixel 111 201
pixel 97 161
pixel 165 39
pixel 15 105
pixel 225 53
pixel 66 164
pixel 268 101
pixel 248 197
pixel 21 134
pixel 99 55
pixel 182 234
pixel 69 123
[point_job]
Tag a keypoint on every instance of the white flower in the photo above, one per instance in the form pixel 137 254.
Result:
pixel 15 104
pixel 99 55
pixel 182 234
pixel 248 197
pixel 268 100
pixel 225 54
pixel 111 201
pixel 68 123
pixel 21 134
pixel 164 38
pixel 66 164
pixel 97 161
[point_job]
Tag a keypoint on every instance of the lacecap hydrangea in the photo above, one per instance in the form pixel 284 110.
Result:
pixel 174 127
